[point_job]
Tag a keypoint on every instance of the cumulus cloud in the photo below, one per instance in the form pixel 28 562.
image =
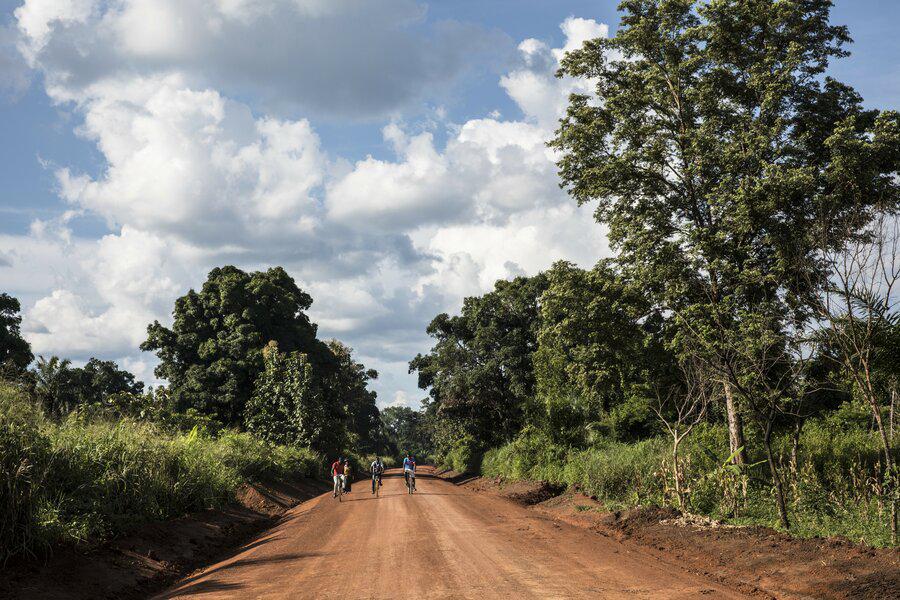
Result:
pixel 352 58
pixel 198 175
pixel 195 164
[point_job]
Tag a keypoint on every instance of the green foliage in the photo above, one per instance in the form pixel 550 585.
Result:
pixel 15 352
pixel 213 353
pixel 350 385
pixel 407 431
pixel 465 455
pixel 835 490
pixel 87 478
pixel 24 454
pixel 288 405
pixel 61 387
pixel 479 372
pixel 596 347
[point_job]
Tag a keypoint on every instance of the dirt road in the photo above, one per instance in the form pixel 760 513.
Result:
pixel 442 542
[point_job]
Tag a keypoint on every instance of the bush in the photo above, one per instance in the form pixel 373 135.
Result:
pixel 24 455
pixel 86 479
pixel 465 455
pixel 836 488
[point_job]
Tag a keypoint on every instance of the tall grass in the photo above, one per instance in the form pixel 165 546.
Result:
pixel 83 479
pixel 834 487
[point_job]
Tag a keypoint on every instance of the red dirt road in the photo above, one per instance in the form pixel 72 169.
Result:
pixel 442 542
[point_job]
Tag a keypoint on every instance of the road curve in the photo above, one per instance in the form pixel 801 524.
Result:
pixel 442 542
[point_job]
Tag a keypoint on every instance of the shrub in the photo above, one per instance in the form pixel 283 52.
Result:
pixel 87 478
pixel 465 455
pixel 24 454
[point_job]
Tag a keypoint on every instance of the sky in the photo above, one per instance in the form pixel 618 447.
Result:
pixel 390 155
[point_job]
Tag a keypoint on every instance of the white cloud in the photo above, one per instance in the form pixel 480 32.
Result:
pixel 195 164
pixel 195 178
pixel 342 57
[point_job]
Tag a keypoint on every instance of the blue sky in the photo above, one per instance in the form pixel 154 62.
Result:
pixel 144 142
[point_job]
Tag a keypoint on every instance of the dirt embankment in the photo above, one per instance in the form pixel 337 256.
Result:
pixel 153 555
pixel 751 558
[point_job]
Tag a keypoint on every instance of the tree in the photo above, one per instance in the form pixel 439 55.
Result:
pixel 721 158
pixel 56 384
pixel 15 352
pixel 596 347
pixel 350 385
pixel 862 316
pixel 408 430
pixel 99 379
pixel 480 371
pixel 289 407
pixel 62 387
pixel 213 352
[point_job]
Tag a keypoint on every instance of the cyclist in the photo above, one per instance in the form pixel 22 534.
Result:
pixel 337 473
pixel 377 469
pixel 347 471
pixel 409 469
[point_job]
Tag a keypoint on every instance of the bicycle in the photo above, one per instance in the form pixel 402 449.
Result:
pixel 376 483
pixel 340 492
pixel 411 482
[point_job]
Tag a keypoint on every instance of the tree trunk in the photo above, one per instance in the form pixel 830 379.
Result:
pixel 677 473
pixel 735 427
pixel 795 448
pixel 776 480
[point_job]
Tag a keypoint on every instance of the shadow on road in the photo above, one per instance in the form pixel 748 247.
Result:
pixel 204 587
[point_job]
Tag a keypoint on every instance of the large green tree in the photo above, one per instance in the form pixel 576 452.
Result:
pixel 597 348
pixel 350 384
pixel 407 431
pixel 15 353
pixel 62 387
pixel 723 160
pixel 213 352
pixel 480 371
pixel 289 406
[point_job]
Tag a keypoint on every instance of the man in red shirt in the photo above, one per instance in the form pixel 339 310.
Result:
pixel 337 473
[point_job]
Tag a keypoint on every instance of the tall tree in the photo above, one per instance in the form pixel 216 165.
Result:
pixel 480 371
pixel 408 431
pixel 62 387
pixel 15 353
pixel 596 347
pixel 288 406
pixel 213 351
pixel 56 385
pixel 99 379
pixel 350 385
pixel 721 157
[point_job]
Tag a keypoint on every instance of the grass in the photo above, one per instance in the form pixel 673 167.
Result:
pixel 834 491
pixel 84 480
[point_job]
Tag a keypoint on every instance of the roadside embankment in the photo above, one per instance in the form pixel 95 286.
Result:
pixel 153 555
pixel 749 558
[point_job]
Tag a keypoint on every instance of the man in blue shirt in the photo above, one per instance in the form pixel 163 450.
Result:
pixel 409 466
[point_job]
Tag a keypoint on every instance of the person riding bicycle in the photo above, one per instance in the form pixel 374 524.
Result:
pixel 337 473
pixel 409 469
pixel 347 472
pixel 377 468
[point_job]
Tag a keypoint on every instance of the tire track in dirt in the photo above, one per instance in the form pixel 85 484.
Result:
pixel 442 542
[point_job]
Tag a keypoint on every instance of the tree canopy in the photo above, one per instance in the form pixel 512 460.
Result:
pixel 479 372
pixel 213 352
pixel 15 352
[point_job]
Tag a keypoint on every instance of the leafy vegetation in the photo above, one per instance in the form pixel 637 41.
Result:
pixel 85 479
pixel 87 453
pixel 752 203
